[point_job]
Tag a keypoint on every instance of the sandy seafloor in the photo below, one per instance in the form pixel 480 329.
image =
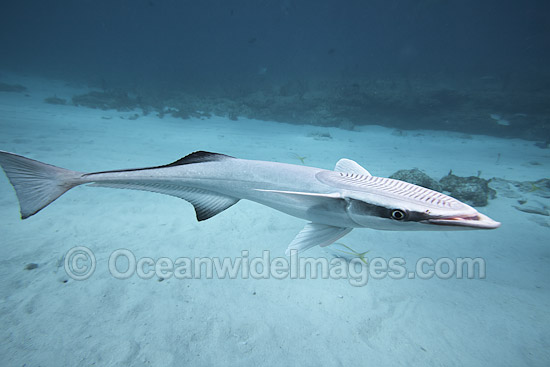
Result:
pixel 502 320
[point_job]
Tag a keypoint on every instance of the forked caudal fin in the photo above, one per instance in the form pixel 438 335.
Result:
pixel 36 184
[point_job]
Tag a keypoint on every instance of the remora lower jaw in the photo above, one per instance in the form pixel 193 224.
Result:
pixel 477 220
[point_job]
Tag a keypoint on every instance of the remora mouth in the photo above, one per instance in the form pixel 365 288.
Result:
pixel 476 221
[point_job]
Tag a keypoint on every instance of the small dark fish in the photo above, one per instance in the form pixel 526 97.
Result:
pixel 31 266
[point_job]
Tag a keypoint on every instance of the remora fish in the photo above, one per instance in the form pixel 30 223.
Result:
pixel 334 202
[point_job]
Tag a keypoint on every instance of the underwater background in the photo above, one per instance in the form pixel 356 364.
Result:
pixel 446 64
pixel 452 95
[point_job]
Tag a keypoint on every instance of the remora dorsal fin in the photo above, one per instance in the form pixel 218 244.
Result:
pixel 348 166
pixel 315 234
pixel 196 157
pixel 199 157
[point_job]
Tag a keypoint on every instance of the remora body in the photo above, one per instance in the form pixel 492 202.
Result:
pixel 334 202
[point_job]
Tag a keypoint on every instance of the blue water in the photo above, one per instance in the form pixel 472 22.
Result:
pixel 446 87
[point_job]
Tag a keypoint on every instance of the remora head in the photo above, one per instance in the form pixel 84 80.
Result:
pixel 385 203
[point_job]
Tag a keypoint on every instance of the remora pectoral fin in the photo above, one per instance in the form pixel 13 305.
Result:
pixel 315 234
pixel 207 203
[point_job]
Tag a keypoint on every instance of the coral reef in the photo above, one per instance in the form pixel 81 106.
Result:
pixel 107 100
pixel 471 190
pixel 417 177
pixel 15 88
pixel 517 108
pixel 55 100
pixel 517 189
pixel 533 207
pixel 531 197
pixel 318 135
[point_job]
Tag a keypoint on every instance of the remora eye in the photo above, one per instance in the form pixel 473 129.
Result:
pixel 398 214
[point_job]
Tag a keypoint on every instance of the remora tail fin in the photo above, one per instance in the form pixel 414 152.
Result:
pixel 36 184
